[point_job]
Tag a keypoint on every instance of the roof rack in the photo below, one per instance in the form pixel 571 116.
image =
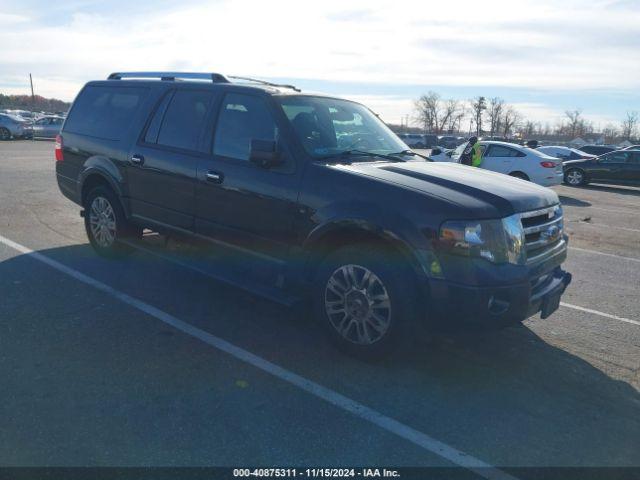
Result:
pixel 263 82
pixel 171 76
pixel 213 77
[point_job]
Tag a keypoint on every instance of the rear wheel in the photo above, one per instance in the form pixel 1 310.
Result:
pixel 520 175
pixel 5 134
pixel 106 224
pixel 364 298
pixel 575 177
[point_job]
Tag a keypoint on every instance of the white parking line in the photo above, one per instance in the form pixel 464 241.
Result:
pixel 586 250
pixel 602 314
pixel 414 436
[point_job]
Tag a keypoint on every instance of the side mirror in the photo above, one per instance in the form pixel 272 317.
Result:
pixel 436 151
pixel 264 153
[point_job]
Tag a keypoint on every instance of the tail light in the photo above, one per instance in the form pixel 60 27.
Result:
pixel 58 148
pixel 548 164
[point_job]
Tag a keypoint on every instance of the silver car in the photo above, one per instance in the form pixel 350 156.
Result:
pixel 47 127
pixel 13 127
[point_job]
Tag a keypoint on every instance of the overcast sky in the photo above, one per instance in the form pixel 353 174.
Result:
pixel 543 56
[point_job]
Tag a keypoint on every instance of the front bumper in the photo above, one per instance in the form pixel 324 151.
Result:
pixel 495 306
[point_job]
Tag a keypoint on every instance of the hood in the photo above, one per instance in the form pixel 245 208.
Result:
pixel 482 193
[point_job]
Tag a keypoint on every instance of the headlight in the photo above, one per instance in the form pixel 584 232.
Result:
pixel 498 241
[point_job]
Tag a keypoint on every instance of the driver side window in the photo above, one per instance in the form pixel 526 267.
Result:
pixel 242 118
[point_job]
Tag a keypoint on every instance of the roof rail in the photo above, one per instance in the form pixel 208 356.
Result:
pixel 263 82
pixel 171 76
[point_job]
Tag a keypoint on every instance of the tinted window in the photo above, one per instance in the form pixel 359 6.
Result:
pixel 104 112
pixel 500 151
pixel 184 119
pixel 615 157
pixel 154 127
pixel 242 118
pixel 635 158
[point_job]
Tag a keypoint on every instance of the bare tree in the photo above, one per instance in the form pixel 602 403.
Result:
pixel 510 119
pixel 494 111
pixel 575 122
pixel 478 106
pixel 629 125
pixel 451 113
pixel 428 112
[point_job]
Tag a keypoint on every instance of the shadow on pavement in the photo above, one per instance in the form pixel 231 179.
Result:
pixel 573 202
pixel 508 397
pixel 621 189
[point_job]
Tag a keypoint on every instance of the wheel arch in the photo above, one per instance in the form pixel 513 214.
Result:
pixel 95 177
pixel 328 238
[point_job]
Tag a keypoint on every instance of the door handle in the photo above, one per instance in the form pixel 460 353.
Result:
pixel 214 177
pixel 137 159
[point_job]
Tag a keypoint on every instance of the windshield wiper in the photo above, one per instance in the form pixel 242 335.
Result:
pixel 362 153
pixel 412 153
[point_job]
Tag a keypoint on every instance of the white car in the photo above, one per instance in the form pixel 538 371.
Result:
pixel 520 162
pixel 565 153
pixel 442 155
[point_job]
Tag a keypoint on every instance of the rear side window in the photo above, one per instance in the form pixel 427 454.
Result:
pixel 242 118
pixel 184 119
pixel 104 112
pixel 500 151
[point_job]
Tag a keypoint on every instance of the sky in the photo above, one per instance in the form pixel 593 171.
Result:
pixel 542 56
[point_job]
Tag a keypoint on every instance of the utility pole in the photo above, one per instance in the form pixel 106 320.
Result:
pixel 33 97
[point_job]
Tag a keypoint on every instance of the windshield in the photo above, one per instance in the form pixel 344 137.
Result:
pixel 329 126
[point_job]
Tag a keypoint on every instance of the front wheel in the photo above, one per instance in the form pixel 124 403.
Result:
pixel 364 298
pixel 575 177
pixel 5 134
pixel 106 224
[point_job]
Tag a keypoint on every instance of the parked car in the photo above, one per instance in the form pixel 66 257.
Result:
pixel 47 127
pixel 565 153
pixel 414 140
pixel 13 127
pixel 448 141
pixel 518 161
pixel 442 155
pixel 597 149
pixel 619 167
pixel 317 198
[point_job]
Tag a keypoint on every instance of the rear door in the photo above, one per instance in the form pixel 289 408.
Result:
pixel 163 163
pixel 499 158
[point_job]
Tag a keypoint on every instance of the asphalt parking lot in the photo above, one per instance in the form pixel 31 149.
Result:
pixel 91 377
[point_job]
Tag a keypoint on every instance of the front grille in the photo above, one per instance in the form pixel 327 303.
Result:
pixel 543 230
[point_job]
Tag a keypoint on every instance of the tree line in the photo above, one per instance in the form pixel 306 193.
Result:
pixel 36 104
pixel 494 117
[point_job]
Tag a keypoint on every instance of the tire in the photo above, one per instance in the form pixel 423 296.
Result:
pixel 364 298
pixel 520 175
pixel 106 224
pixel 575 177
pixel 5 134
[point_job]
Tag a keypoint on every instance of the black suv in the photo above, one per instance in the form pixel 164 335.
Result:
pixel 317 196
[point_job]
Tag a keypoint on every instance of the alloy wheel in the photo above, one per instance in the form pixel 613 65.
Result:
pixel 357 304
pixel 102 221
pixel 574 177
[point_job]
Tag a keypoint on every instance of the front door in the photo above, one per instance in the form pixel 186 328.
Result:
pixel 162 165
pixel 239 203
